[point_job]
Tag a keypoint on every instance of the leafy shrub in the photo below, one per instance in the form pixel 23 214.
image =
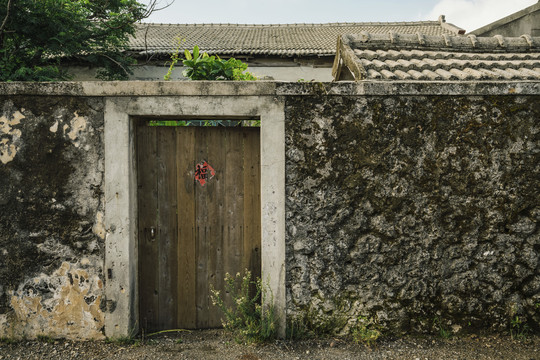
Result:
pixel 201 66
pixel 247 319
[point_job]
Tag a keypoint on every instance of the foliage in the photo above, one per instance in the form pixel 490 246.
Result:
pixel 311 324
pixel 366 331
pixel 201 66
pixel 226 123
pixel 519 330
pixel 175 57
pixel 9 341
pixel 45 339
pixel 439 326
pixel 35 35
pixel 124 340
pixel 247 319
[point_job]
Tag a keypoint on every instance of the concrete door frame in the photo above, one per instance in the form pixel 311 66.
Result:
pixel 121 292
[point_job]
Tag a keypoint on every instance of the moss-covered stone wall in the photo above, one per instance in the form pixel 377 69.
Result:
pixel 417 212
pixel 51 230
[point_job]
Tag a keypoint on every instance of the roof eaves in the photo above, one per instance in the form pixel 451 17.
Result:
pixel 506 20
pixel 349 58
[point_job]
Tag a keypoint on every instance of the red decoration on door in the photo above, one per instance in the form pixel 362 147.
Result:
pixel 204 172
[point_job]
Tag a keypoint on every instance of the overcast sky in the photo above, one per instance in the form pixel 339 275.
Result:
pixel 468 14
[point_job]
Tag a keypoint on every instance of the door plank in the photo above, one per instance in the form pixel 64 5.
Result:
pixel 147 219
pixel 202 231
pixel 187 279
pixel 234 204
pixel 167 234
pixel 252 202
pixel 215 198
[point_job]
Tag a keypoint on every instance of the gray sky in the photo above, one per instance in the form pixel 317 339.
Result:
pixel 468 14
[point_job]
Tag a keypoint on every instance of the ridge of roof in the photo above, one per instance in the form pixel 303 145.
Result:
pixel 373 23
pixel 470 43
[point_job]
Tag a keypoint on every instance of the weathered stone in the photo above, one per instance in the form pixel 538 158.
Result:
pixel 430 205
pixel 51 199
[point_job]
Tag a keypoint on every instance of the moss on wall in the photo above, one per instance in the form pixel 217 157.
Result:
pixel 414 208
pixel 51 180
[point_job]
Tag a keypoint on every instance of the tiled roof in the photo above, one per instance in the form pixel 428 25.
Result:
pixel 281 40
pixel 422 57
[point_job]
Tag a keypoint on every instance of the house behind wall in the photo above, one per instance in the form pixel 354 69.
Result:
pixel 284 52
pixel 526 21
pixel 403 201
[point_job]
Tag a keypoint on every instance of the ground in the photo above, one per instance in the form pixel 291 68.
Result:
pixel 215 344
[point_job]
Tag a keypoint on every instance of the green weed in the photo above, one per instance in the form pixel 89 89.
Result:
pixel 366 331
pixel 519 330
pixel 444 333
pixel 45 339
pixel 124 340
pixel 311 324
pixel 9 341
pixel 247 319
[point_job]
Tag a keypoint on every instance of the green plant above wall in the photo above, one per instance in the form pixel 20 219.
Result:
pixel 201 66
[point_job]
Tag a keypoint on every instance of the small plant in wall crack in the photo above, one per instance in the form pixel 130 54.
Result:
pixel 247 318
pixel 519 330
pixel 366 331
pixel 441 328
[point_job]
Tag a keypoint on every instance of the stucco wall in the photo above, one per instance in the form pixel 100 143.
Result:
pixel 414 211
pixel 51 232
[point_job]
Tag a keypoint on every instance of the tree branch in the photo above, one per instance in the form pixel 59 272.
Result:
pixel 4 23
pixel 116 62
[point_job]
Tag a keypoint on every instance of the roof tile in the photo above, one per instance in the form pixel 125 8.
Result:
pixel 412 57
pixel 279 39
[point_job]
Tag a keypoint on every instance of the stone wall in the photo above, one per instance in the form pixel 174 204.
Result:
pixel 51 206
pixel 417 212
pixel 411 204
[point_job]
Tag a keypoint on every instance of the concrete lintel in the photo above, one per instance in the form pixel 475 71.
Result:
pixel 121 193
pixel 410 88
pixel 271 88
pixel 139 88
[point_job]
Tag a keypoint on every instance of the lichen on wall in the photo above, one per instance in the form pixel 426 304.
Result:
pixel 413 210
pixel 9 136
pixel 64 304
pixel 51 228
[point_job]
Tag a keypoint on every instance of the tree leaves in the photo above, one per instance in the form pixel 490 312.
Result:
pixel 38 34
pixel 204 67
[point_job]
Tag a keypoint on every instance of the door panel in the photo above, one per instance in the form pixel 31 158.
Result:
pixel 200 231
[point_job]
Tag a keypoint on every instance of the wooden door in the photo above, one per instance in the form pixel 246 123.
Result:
pixel 199 218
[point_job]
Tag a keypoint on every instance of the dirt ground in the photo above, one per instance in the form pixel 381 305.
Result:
pixel 216 344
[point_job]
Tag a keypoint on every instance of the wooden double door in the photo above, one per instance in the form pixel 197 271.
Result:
pixel 198 219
